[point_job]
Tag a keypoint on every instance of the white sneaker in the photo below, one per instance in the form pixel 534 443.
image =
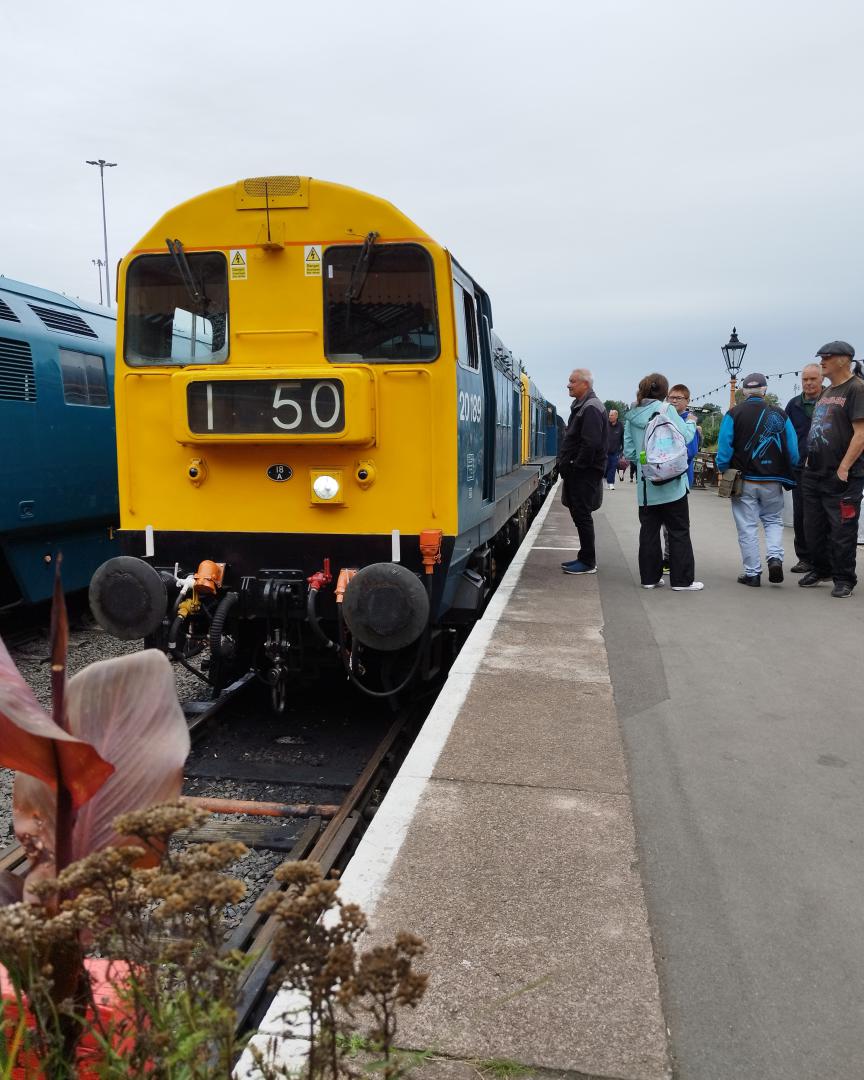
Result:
pixel 611 487
pixel 657 585
pixel 694 587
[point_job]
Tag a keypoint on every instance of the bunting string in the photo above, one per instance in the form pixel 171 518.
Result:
pixel 708 393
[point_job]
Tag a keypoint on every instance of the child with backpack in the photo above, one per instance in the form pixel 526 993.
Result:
pixel 656 438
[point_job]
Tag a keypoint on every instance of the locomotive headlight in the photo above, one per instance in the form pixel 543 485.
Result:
pixel 327 486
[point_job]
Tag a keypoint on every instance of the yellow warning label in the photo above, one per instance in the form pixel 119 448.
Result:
pixel 312 260
pixel 237 262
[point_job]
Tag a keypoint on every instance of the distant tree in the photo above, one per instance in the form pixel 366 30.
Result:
pixel 708 418
pixel 619 405
pixel 770 399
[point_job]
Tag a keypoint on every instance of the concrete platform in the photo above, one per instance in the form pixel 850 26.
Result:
pixel 507 843
pixel 507 840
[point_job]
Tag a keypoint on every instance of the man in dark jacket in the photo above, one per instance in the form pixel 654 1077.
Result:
pixel 758 439
pixel 800 412
pixel 613 448
pixel 834 473
pixel 582 463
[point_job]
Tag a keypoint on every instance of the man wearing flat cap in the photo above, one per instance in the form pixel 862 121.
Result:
pixel 758 439
pixel 833 477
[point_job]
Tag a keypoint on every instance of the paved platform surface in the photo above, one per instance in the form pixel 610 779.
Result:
pixel 742 719
pixel 516 860
pixel 507 840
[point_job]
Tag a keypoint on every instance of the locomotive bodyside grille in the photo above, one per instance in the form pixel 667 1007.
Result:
pixel 7 313
pixel 63 320
pixel 17 380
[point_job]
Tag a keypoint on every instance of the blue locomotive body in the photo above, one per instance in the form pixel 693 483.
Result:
pixel 58 474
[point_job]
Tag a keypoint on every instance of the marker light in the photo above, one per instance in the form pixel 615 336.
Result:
pixel 326 487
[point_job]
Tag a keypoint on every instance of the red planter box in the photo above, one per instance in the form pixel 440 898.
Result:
pixel 104 975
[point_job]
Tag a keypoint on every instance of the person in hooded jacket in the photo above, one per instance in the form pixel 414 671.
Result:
pixel 760 440
pixel 661 504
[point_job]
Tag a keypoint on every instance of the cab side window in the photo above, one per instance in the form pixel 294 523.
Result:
pixel 466 328
pixel 84 380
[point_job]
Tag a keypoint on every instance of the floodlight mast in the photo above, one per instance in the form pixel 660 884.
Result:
pixel 103 165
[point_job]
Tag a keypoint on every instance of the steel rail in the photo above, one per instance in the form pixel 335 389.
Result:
pixel 326 852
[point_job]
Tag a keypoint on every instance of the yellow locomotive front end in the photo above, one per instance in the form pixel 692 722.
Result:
pixel 283 415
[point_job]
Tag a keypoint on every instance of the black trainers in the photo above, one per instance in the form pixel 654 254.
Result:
pixel 812 578
pixel 800 567
pixel 775 571
pixel 753 580
pixel 842 589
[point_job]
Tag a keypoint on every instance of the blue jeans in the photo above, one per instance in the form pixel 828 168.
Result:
pixel 759 502
pixel 611 466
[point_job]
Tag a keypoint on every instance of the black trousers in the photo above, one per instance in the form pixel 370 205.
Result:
pixel 676 517
pixel 832 538
pixel 583 494
pixel 801 549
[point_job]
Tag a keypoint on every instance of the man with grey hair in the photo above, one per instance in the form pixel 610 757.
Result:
pixel 760 441
pixel 582 464
pixel 834 473
pixel 800 412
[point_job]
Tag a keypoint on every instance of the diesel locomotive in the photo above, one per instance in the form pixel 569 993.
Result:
pixel 326 452
pixel 58 480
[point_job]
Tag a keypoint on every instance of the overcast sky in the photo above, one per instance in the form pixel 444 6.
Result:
pixel 627 180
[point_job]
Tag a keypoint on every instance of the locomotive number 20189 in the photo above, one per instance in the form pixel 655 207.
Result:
pixel 470 407
pixel 266 406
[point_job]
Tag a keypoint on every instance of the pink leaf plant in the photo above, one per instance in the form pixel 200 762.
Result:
pixel 117 742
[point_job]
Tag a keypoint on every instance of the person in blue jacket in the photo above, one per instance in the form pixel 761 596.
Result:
pixel 758 439
pixel 660 504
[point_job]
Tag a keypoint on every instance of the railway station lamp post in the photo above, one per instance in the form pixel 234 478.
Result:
pixel 103 165
pixel 733 354
pixel 99 264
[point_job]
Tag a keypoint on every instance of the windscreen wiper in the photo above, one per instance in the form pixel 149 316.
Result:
pixel 176 249
pixel 359 274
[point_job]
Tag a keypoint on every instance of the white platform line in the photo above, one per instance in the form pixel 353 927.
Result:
pixel 365 875
pixel 370 866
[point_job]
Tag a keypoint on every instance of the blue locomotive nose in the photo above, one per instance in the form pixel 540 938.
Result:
pixel 386 607
pixel 128 598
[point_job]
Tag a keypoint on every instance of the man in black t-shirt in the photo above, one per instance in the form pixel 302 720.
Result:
pixel 833 477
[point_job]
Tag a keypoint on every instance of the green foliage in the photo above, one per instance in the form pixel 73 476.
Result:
pixel 315 947
pixel 172 1014
pixel 770 399
pixel 501 1068
pixel 170 1011
pixel 619 405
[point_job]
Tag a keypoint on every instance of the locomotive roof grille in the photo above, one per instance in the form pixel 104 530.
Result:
pixel 274 186
pixel 17 380
pixel 62 320
pixel 7 313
